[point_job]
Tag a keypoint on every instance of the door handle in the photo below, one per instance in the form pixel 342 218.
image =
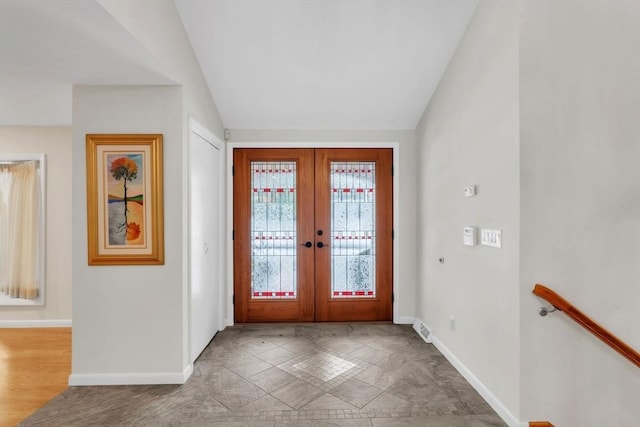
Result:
pixel 308 244
pixel 321 245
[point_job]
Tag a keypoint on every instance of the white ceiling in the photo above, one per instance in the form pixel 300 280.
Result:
pixel 270 64
pixel 323 64
pixel 47 46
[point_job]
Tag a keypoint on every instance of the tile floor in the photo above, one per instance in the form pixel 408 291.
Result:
pixel 316 374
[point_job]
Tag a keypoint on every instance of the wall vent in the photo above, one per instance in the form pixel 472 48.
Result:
pixel 425 332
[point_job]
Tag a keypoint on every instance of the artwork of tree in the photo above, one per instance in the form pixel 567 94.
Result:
pixel 125 169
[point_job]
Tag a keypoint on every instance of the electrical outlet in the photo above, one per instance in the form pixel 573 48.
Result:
pixel 452 322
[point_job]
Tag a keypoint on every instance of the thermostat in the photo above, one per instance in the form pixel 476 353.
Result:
pixel 469 236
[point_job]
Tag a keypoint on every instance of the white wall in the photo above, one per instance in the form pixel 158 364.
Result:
pixel 156 24
pixel 469 136
pixel 540 107
pixel 55 142
pixel 140 334
pixel 580 204
pixel 407 198
pixel 128 319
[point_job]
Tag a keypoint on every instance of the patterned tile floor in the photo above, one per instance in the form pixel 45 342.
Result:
pixel 368 375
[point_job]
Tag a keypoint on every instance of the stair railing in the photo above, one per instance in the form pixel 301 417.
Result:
pixel 582 319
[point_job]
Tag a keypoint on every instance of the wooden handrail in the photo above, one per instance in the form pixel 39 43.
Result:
pixel 607 337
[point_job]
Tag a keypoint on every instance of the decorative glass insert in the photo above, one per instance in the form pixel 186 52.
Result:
pixel 353 229
pixel 273 230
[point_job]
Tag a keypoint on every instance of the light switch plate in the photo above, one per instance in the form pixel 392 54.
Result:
pixel 492 238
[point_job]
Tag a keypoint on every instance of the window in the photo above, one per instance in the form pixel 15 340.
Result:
pixel 22 207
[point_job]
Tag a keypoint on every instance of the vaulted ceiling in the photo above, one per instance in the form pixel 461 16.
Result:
pixel 270 64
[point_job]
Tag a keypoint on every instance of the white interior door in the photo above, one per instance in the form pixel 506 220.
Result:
pixel 206 210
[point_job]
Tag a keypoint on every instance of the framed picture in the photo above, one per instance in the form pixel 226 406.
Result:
pixel 125 221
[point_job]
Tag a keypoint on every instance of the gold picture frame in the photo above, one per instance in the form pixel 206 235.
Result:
pixel 125 222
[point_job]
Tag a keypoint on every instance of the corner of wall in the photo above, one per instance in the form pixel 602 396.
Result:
pixel 503 412
pixel 469 135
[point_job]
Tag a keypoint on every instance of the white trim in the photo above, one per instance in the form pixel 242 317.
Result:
pixel 54 323
pixel 6 300
pixel 404 320
pixel 332 144
pixel 151 378
pixel 395 146
pixel 229 321
pixel 484 392
pixel 396 231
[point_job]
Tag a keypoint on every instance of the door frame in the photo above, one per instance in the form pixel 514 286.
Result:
pixel 395 146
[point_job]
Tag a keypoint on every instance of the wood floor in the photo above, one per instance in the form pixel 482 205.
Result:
pixel 35 364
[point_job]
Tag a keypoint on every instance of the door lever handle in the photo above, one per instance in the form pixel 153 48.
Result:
pixel 308 244
pixel 321 245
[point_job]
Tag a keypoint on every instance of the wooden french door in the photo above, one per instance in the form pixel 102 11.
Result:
pixel 313 234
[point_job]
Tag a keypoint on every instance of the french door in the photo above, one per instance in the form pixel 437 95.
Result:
pixel 312 234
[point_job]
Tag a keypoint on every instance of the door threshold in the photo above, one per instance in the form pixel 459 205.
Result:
pixel 364 322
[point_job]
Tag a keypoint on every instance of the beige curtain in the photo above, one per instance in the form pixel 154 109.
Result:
pixel 20 234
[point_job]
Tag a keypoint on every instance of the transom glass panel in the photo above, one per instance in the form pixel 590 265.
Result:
pixel 353 229
pixel 273 230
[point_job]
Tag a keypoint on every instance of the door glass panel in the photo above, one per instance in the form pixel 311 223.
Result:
pixel 353 233
pixel 273 230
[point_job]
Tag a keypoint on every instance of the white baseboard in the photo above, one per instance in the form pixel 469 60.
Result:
pixel 152 378
pixel 486 394
pixel 404 320
pixel 55 323
pixel 186 372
